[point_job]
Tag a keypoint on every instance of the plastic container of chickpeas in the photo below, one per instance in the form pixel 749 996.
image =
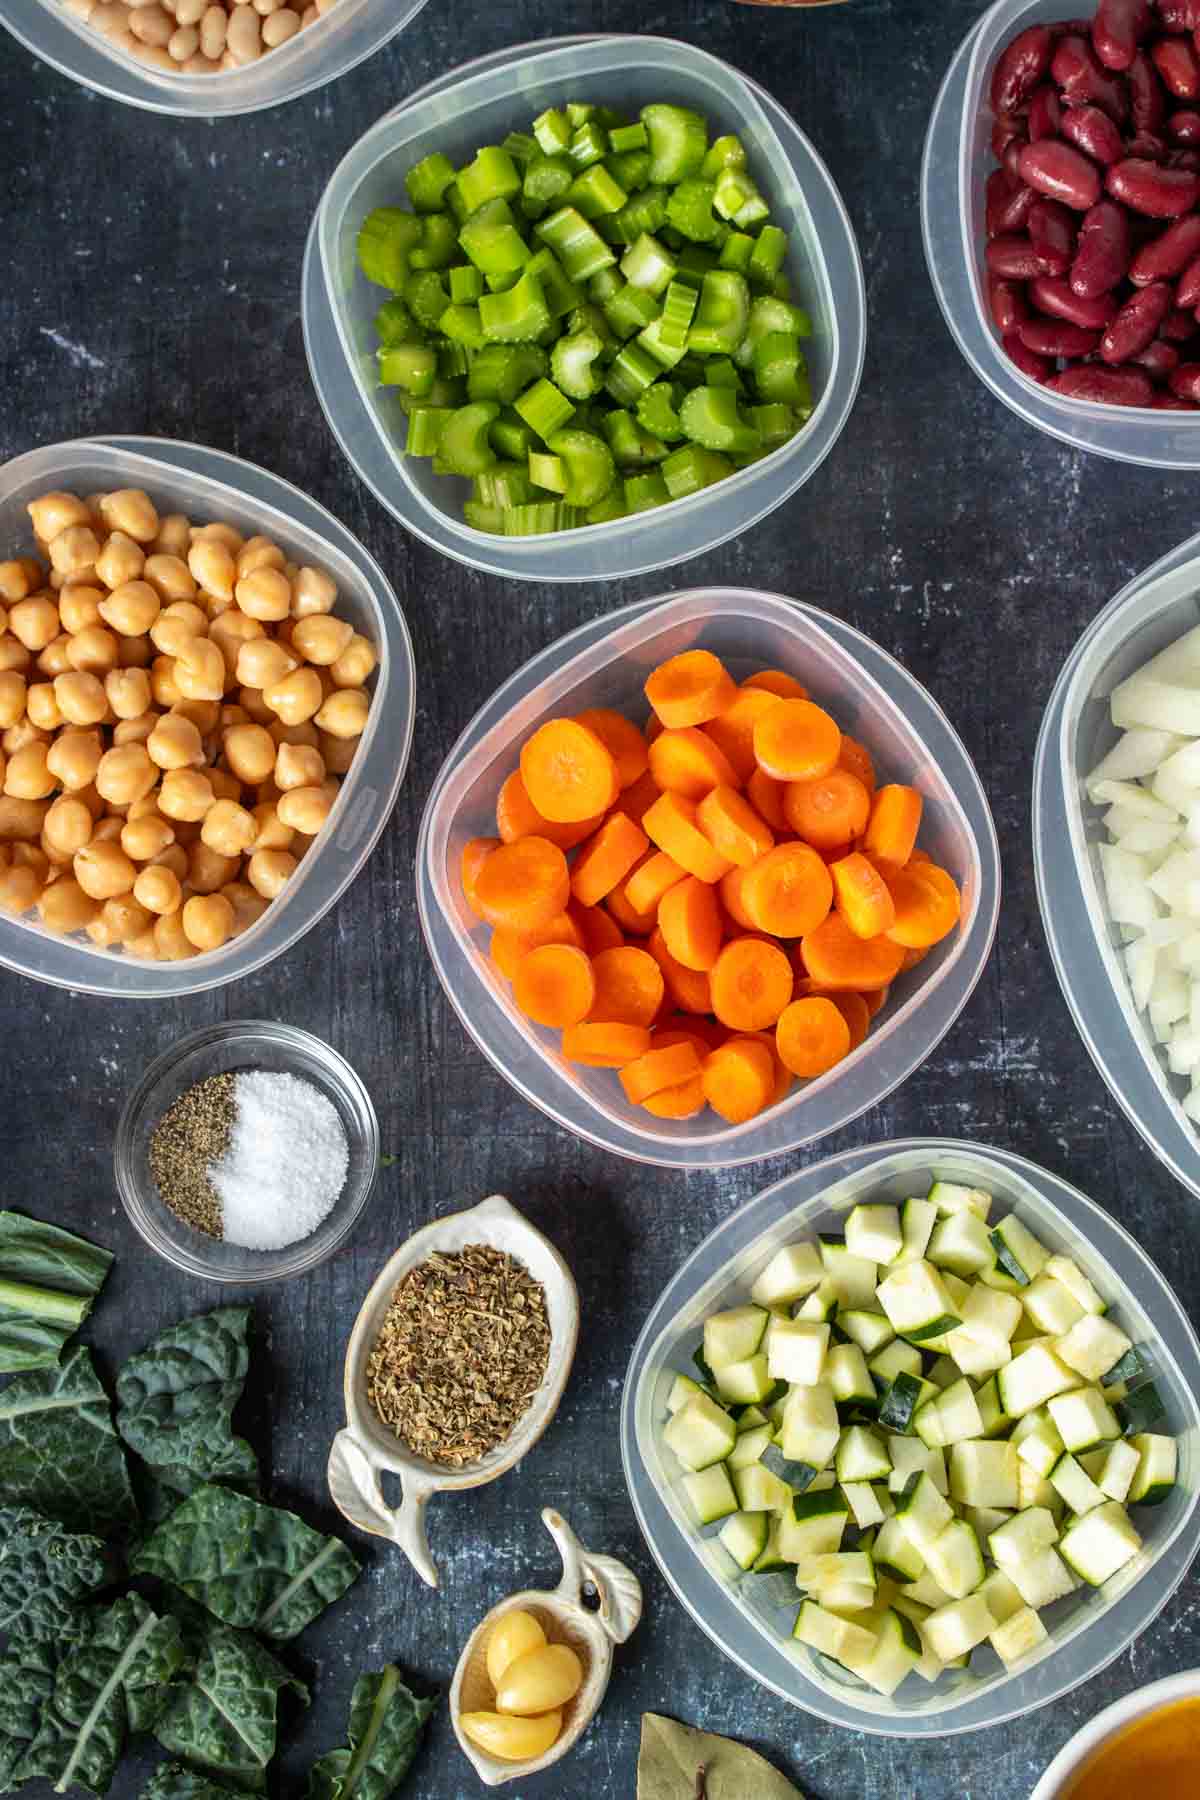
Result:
pixel 208 485
pixel 347 33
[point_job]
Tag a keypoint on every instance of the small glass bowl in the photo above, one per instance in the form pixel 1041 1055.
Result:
pixel 225 1049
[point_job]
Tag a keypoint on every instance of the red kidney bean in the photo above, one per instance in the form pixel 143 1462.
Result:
pixel 1167 254
pixel 1102 252
pixel 1184 159
pixel 1013 258
pixel 1118 28
pixel 1007 302
pixel 1053 296
pixel 1020 68
pixel 1146 146
pixel 1061 173
pixel 1052 234
pixel 1170 403
pixel 1083 78
pixel 1029 363
pixel 1147 95
pixel 1045 113
pixel 1187 293
pixel 1020 205
pixel 1179 325
pixel 1054 337
pixel 1012 160
pixel 1071 28
pixel 998 193
pixel 1112 387
pixel 1137 323
pixel 1184 382
pixel 1175 60
pixel 1147 188
pixel 1179 15
pixel 1184 127
pixel 1007 129
pixel 1158 359
pixel 1091 131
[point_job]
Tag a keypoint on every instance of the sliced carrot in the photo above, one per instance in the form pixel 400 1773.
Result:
pixel 855 758
pixel 652 728
pixel 693 1025
pixel 874 999
pixel 508 946
pixel 835 853
pixel 779 682
pixel 812 1036
pixel 683 1102
pixel 555 985
pixel 629 987
pixel 739 1079
pixel 690 921
pixel 474 855
pixel 836 959
pixel 927 906
pixel 911 959
pixel 517 817
pixel 893 825
pixel 606 859
pixel 751 983
pixel 569 774
pixel 732 826
pixel 621 738
pixel 783 1075
pixel 605 1046
pixel 853 1009
pixel 598 930
pixel 685 1032
pixel 690 689
pixel 733 730
pixel 671 824
pixel 766 797
pixel 829 810
pixel 636 800
pixel 788 891
pixel 524 885
pixel 796 741
pixel 687 762
pixel 660 1068
pixel 688 989
pixel 651 880
pixel 730 889
pixel 918 856
pixel 632 922
pixel 862 896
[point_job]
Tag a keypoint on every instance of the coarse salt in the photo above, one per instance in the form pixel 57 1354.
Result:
pixel 286 1162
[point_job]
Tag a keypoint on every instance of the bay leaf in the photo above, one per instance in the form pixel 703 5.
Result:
pixel 677 1762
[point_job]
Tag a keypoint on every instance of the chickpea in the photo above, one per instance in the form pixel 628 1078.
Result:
pixel 135 731
pixel 103 870
pixel 171 942
pixel 21 819
pixel 125 918
pixel 355 663
pixel 175 743
pixel 297 697
pixel 19 577
pixel 224 785
pixel 216 606
pixel 204 714
pixel 313 591
pixel 270 831
pixel 54 659
pixel 131 510
pixel 344 714
pixel 248 907
pixel 186 794
pixel 229 632
pixel 174 858
pixel 13 654
pixel 13 690
pixel 213 567
pixel 170 577
pixel 68 826
pixel 218 531
pixel 142 946
pixel 208 870
pixel 258 553
pixel 144 837
pixel 91 797
pixel 134 653
pixel 305 809
pixel 20 889
pixel 42 707
pixel 176 625
pixel 230 716
pixel 34 622
pixel 157 889
pixel 174 535
pixel 73 551
pixel 125 774
pixel 24 732
pixel 261 662
pixel 265 594
pixel 94 650
pixel 32 856
pixel 108 831
pixel 27 777
pixel 207 920
pixel 64 906
pixel 250 752
pixel 128 692
pixel 163 684
pixel 228 828
pixel 101 932
pixel 200 670
pixel 74 757
pixel 79 606
pixel 131 608
pixel 321 638
pixel 251 701
pixel 52 513
pixel 120 560
pixel 297 766
pixel 268 872
pixel 81 698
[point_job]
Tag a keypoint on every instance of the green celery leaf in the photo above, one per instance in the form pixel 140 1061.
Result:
pixel 175 1398
pixel 45 1571
pixel 59 1451
pixel 386 1725
pixel 223 1717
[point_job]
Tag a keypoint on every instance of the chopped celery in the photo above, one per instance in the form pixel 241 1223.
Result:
pixel 483 518
pixel 630 310
pixel 766 259
pixel 612 506
pixel 528 521
pixel 452 359
pixel 693 467
pixel 465 449
pixel 517 316
pixel 632 371
pixel 463 325
pixel 385 243
pixel 492 176
pixel 426 298
pixel 588 145
pixel 441 393
pixel 572 364
pixel 656 412
pixel 710 416
pixel 595 193
pixel 394 324
pixel 768 314
pixel 647 265
pixel 678 141
pixel 547 472
pixel 561 294
pixel 643 212
pixel 722 313
pixel 723 153
pixel 628 137
pixel 493 242
pixel 774 422
pixel 427 182
pixel 438 242
pixel 737 252
pixel 466 284
pixel 502 371
pixel 632 169
pixel 579 247
pixel 588 463
pixel 546 184
pixel 425 427
pixel 507 484
pixel 690 211
pixel 644 491
pixel 511 437
pixel 552 131
pixel 544 409
pixel 604 284
pixel 720 372
pixel 521 147
pixel 408 366
pixel 780 371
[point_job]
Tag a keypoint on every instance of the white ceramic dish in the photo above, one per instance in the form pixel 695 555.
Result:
pixel 1073 1755
pixel 590 1632
pixel 365 1448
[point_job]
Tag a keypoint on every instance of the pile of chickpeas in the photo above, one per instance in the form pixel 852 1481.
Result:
pixel 197 37
pixel 178 703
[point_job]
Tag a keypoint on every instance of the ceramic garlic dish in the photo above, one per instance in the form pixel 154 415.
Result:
pixel 365 1448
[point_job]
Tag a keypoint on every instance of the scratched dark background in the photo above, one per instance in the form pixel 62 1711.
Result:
pixel 151 285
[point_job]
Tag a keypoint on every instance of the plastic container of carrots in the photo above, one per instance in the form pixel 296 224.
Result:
pixel 712 899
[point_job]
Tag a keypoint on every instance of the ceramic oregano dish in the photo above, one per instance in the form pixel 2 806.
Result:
pixel 365 1449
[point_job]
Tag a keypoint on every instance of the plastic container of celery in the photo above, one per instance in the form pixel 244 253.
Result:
pixel 1088 1629
pixel 1148 614
pixel 208 484
pixel 333 45
pixel 605 664
pixel 958 159
pixel 479 104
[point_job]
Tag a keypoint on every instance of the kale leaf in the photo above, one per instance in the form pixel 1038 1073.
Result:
pixel 172 1781
pixel 26 1687
pixel 386 1725
pixel 175 1399
pixel 48 1280
pixel 224 1715
pixel 59 1451
pixel 45 1571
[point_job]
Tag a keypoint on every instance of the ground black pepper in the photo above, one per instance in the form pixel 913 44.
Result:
pixel 190 1137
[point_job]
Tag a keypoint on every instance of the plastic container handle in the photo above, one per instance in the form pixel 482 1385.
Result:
pixel 355 1487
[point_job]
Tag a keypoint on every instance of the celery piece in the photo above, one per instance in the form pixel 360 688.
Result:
pixel 654 341
pixel 590 318
pixel 752 211
pixel 720 372
pixel 691 468
pixel 425 427
pixel 632 448
pixel 463 325
pixel 547 472
pixel 628 137
pixel 737 251
pixel 631 373
pixel 521 147
pixel 588 463
pixel 690 210
pixel 630 310
pixel 465 449
pixel 733 190
pixel 492 176
pixel 544 409
pixel 456 206
pixel 710 416
pixel 768 314
pixel 502 371
pixel 507 484
pixel 483 518
pixel 493 243
pixel 466 284
pixel 781 373
pixel 603 286
pixel 515 317
pixel 561 294
pixel 511 437
pixel 695 263
pixel 532 520
pixel 775 422
pixel 766 260
pixel 657 414
pixel 588 145
pixel 644 212
pixel 579 112
pixel 426 298
pixel 631 170
pixel 439 242
pixel 385 242
pixel 448 393
pixel 595 193
pixel 452 360
pixel 552 131
pixel 428 180
pixel 579 247
pixel 644 491
pixel 612 506
pixel 647 265
pixel 781 287
pixel 547 181
pixel 678 141
pixel 394 324
pixel 679 309
pixel 408 366
pixel 573 364
pixel 722 313
pixel 723 153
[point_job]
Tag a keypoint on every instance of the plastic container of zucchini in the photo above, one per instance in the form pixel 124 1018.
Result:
pixel 605 664
pixel 480 103
pixel 1089 1627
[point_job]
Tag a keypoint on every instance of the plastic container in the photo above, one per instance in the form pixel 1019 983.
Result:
pixel 1148 614
pixel 605 664
pixel 209 484
pixel 334 44
pixel 1089 1628
pixel 226 1049
pixel 958 159
pixel 480 103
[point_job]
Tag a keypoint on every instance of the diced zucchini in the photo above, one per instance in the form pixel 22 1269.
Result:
pixel 821 1304
pixel 927 1424
pixel 1034 1491
pixel 1018 1637
pixel 1157 1463
pixel 847 1374
pixel 977 1357
pixel 873 1233
pixel 871 1331
pixel 1099 1544
pixel 917 1220
pixel 1002 1597
pixel 745 1383
pixel 958 1413
pixel 995 1420
pixel 797 1351
pixel 835 1568
pixel 944 1373
pixel 897 1358
pixel 745 1537
pixel 759 1490
pixel 799 1476
pixel 955 1629
pixel 810 1425
pixel 750 1446
pixel 791 1273
pixel 833 1636
pixel 1140 1410
pixel 1077 1284
pixel 865 1506
pixel 683 1389
pixel 1051 1306
pixel 1043 1579
pixel 900 1402
pixel 986 1519
pixel 710 1492
pixel 854 1277
pixel 961 1244
pixel 916 1301
pixel 895 1553
pixel 1022 1538
pixel 730 1337
pixel 1018 1252
pixel 1083 1417
pixel 770 1560
pixel 911 1457
pixel 898 1650
pixel 922 1511
pixel 748 1418
pixel 1092 1347
pixel 1071 1480
pixel 990 1316
pixel 1030 1379
pixel 983 1472
pixel 700 1433
pixel 862 1455
pixel 955 1560
pixel 951 1197
pixel 1115 1467
pixel 1041 1446
pixel 926 1591
pixel 813 1525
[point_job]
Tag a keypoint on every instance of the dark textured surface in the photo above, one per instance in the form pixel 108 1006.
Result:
pixel 152 286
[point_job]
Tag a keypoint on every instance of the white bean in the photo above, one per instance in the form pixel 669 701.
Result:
pixel 281 26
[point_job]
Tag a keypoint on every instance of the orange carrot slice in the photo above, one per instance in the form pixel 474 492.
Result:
pixel 732 826
pixel 652 728
pixel 598 930
pixel 662 1067
pixel 783 1075
pixel 629 987
pixel 766 797
pixel 671 823
pixel 517 817
pixel 621 738
pixel 796 741
pixel 811 1036
pixel 739 1079
pixel 893 825
pixel 828 811
pixel 636 800
pixel 733 730
pixel 651 880
pixel 524 885
pixel 788 891
pixel 690 689
pixel 927 906
pixel 778 682
pixel 569 774
pixel 688 989
pixel 861 896
pixel 508 946
pixel 911 959
pixel 683 1102
pixel 474 855
pixel 605 1046
pixel 751 983
pixel 687 762
pixel 730 890
pixel 631 921
pixel 555 985
pixel 875 999
pixel 855 759
pixel 606 859
pixel 690 921
pixel 836 958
